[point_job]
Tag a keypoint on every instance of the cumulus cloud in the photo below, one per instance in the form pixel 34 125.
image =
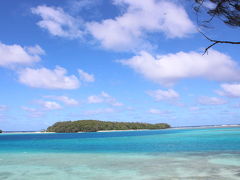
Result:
pixel 33 112
pixel 194 108
pixel 49 105
pixel 209 4
pixel 128 30
pixel 230 90
pixel 103 98
pixel 48 79
pixel 100 111
pixel 211 101
pixel 57 22
pixel 169 68
pixel 66 100
pixel 160 95
pixel 79 5
pixel 157 111
pixel 86 76
pixel 95 99
pixel 124 32
pixel 12 55
pixel 3 108
pixel 37 50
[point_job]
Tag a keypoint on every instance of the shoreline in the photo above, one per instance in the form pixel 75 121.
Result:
pixel 206 127
pixel 183 127
pixel 127 130
pixel 26 132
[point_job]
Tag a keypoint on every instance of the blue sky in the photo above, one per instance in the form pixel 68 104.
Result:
pixel 115 60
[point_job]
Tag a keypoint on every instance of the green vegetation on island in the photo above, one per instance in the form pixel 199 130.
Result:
pixel 95 125
pixel 0 131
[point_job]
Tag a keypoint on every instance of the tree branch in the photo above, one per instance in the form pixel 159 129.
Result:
pixel 217 42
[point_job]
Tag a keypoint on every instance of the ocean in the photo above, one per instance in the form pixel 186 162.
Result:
pixel 169 154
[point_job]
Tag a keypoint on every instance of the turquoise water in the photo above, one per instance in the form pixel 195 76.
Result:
pixel 204 154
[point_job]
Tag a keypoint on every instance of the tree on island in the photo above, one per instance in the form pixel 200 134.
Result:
pixel 95 125
pixel 228 11
pixel 1 131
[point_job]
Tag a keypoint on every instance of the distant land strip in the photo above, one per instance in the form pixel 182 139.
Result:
pixel 96 125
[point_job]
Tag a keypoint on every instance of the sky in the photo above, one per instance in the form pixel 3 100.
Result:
pixel 114 60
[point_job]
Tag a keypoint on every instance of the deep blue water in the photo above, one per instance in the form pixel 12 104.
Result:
pixel 148 141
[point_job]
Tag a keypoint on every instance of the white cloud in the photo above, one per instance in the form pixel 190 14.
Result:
pixel 103 98
pixel 86 76
pixel 78 5
pixel 2 117
pixel 169 68
pixel 3 108
pixel 37 50
pixel 48 79
pixel 236 105
pixel 33 112
pixel 127 31
pixel 57 22
pixel 124 32
pixel 194 108
pixel 11 55
pixel 160 95
pixel 230 90
pixel 100 111
pixel 211 101
pixel 209 4
pixel 157 111
pixel 49 105
pixel 115 103
pixel 95 99
pixel 66 100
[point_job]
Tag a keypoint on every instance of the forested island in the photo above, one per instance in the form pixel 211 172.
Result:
pixel 0 131
pixel 95 125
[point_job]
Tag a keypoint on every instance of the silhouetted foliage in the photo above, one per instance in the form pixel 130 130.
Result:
pixel 227 10
pixel 95 125
pixel 0 131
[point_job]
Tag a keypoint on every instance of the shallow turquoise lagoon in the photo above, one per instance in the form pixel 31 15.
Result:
pixel 174 154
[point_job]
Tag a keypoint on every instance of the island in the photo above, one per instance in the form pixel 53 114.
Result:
pixel 1 131
pixel 96 125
